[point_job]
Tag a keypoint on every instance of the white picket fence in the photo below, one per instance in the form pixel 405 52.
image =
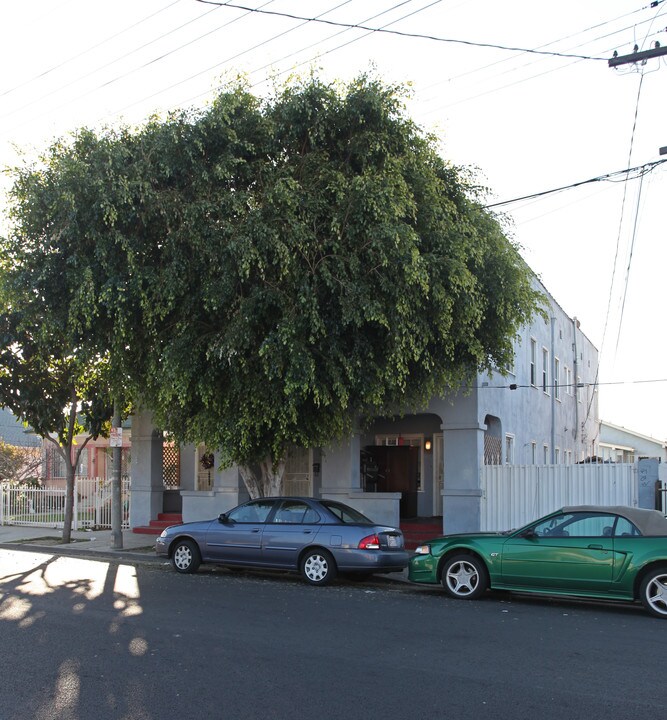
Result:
pixel 45 506
pixel 513 495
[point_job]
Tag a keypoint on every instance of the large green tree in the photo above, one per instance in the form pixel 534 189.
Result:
pixel 306 260
pixel 278 268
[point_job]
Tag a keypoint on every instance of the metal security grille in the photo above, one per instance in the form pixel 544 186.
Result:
pixel 493 450
pixel 171 466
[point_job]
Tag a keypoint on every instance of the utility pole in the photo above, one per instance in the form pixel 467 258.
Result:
pixel 116 495
pixel 635 56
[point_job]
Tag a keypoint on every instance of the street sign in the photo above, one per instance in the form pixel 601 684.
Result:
pixel 116 437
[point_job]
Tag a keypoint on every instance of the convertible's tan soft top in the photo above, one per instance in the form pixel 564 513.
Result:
pixel 648 522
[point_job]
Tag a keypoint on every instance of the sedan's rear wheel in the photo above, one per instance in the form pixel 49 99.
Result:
pixel 653 591
pixel 185 556
pixel 464 576
pixel 318 567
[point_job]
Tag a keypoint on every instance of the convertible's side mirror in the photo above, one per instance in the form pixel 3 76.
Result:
pixel 529 533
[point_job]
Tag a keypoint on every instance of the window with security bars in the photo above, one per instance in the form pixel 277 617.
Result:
pixel 55 464
pixel 297 479
pixel 493 450
pixel 171 466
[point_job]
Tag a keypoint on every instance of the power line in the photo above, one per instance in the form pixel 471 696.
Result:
pixel 609 177
pixel 87 50
pixel 357 39
pixel 553 42
pixel 266 42
pixel 229 59
pixel 118 59
pixel 579 385
pixel 402 33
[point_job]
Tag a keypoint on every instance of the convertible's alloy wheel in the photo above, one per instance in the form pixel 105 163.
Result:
pixel 318 568
pixel 654 592
pixel 464 576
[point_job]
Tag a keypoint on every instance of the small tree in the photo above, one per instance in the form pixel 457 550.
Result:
pixel 51 376
pixel 19 464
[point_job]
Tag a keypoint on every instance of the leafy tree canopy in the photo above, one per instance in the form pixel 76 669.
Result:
pixel 272 269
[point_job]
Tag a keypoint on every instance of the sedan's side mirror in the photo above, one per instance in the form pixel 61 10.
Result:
pixel 222 518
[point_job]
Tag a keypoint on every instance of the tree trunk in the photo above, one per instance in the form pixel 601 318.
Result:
pixel 272 477
pixel 252 484
pixel 270 484
pixel 69 503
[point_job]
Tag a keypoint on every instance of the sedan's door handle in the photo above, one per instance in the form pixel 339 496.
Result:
pixel 595 547
pixel 256 530
pixel 307 532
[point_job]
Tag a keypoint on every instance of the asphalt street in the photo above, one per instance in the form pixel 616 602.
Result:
pixel 88 637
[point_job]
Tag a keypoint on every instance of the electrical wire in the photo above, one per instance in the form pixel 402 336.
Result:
pixel 641 170
pixel 595 383
pixel 227 60
pixel 634 236
pixel 350 42
pixel 87 50
pixel 403 34
pixel 76 80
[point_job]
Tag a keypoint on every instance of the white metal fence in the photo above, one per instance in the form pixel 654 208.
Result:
pixel 513 495
pixel 45 506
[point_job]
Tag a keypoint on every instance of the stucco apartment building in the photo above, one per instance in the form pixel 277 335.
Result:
pixel 542 410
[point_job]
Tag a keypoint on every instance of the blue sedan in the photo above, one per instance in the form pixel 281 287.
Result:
pixel 317 538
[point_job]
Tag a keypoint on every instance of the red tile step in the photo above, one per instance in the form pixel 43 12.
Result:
pixel 155 527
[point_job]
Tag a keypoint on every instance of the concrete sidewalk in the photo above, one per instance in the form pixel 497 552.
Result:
pixel 98 543
pixel 83 541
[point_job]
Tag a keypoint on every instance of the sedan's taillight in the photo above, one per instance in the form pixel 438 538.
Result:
pixel 370 542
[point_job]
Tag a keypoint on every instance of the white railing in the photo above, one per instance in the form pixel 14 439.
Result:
pixel 45 506
pixel 513 495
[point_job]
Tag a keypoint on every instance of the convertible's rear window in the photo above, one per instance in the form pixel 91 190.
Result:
pixel 345 513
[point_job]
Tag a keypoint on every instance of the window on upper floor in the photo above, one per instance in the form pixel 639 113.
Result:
pixel 557 378
pixel 567 380
pixel 533 362
pixel 545 370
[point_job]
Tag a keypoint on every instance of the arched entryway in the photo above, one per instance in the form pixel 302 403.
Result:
pixel 405 455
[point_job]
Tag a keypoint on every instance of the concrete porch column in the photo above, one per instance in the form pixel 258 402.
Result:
pixel 146 485
pixel 461 497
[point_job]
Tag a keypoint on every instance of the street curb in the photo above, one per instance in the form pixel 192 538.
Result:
pixel 121 555
pixel 145 558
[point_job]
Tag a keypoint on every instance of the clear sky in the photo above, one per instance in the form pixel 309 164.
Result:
pixel 528 121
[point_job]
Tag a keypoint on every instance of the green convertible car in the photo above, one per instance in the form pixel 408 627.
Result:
pixel 615 553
